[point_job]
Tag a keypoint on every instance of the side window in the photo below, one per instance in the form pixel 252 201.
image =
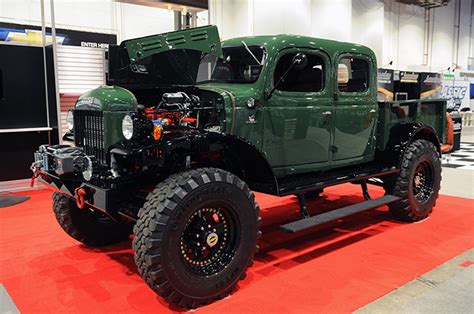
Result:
pixel 309 79
pixel 353 75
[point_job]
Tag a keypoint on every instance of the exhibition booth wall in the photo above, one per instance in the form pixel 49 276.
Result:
pixel 110 17
pixel 395 31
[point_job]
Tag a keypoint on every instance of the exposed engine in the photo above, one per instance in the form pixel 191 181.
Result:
pixel 172 117
pixel 178 109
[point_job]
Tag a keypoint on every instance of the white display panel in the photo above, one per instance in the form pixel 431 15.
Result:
pixel 80 69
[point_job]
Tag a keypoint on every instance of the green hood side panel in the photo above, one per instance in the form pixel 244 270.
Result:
pixel 236 111
pixel 107 98
pixel 205 39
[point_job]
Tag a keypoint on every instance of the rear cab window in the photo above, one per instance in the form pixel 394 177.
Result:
pixel 353 74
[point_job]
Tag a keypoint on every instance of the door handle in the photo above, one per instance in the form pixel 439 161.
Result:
pixel 327 113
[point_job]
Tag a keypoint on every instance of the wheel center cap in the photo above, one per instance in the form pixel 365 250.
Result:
pixel 417 181
pixel 212 239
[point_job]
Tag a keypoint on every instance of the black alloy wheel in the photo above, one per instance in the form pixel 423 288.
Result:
pixel 423 181
pixel 196 236
pixel 418 182
pixel 209 240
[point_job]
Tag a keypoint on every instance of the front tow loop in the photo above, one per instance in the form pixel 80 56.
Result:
pixel 80 195
pixel 36 168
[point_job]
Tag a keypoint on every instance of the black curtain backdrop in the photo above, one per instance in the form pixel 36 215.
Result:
pixel 23 105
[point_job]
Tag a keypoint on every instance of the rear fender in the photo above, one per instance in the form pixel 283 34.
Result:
pixel 401 136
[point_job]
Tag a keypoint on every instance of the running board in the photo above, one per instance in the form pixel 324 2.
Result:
pixel 320 219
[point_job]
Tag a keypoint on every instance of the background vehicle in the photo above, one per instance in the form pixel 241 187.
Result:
pixel 190 127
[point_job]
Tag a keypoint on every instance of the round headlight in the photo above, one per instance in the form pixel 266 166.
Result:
pixel 127 127
pixel 70 120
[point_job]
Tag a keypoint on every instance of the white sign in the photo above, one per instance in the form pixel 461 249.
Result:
pixel 94 45
pixel 457 93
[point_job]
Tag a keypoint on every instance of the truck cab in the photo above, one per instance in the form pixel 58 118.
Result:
pixel 323 115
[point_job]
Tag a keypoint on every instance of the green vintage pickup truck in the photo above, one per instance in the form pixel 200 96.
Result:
pixel 172 149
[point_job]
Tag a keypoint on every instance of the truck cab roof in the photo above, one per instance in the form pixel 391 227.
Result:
pixel 275 43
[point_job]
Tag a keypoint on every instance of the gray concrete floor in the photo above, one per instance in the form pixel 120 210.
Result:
pixel 457 182
pixel 455 295
pixel 449 288
pixel 7 306
pixel 467 134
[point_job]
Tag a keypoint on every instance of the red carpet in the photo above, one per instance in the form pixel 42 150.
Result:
pixel 336 268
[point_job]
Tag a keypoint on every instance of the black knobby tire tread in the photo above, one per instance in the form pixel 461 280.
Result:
pixel 88 231
pixel 152 219
pixel 398 184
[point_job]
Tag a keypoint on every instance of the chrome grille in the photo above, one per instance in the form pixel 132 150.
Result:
pixel 89 133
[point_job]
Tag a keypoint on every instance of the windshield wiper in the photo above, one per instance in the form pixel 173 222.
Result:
pixel 251 53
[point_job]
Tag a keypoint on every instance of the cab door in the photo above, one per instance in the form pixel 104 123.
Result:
pixel 298 116
pixel 355 110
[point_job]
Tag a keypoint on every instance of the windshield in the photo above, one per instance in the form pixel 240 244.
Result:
pixel 240 64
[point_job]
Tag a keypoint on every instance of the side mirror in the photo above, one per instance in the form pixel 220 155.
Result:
pixel 300 61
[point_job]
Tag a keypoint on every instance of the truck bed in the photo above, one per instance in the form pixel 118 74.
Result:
pixel 429 112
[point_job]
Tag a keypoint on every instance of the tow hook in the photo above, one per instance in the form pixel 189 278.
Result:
pixel 33 178
pixel 35 167
pixel 80 194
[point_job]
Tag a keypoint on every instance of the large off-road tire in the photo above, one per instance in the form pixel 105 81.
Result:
pixel 91 228
pixel 417 183
pixel 196 235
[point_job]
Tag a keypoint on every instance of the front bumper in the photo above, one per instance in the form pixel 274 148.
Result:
pixel 61 168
